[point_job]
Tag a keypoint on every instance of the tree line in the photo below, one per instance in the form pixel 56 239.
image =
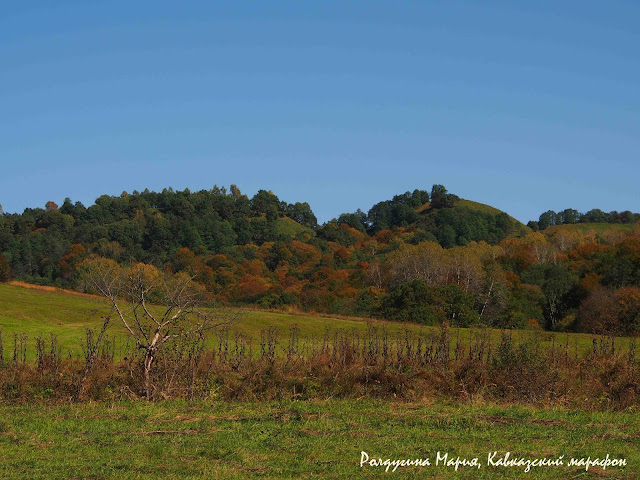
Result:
pixel 570 216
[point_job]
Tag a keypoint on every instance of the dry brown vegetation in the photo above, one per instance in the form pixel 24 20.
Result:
pixel 341 364
pixel 46 288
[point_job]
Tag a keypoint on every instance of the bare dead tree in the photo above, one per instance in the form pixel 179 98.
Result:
pixel 153 306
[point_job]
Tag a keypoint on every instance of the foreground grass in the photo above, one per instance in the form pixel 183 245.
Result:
pixel 174 440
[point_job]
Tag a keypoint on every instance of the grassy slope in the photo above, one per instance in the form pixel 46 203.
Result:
pixel 593 228
pixel 481 207
pixel 172 440
pixel 36 312
pixel 520 228
pixel 288 226
pixel 40 312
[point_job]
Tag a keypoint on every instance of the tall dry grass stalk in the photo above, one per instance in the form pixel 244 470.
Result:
pixel 339 363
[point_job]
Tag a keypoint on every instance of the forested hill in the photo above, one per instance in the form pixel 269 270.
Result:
pixel 151 227
pixel 425 256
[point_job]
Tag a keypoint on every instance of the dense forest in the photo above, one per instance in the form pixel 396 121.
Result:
pixel 423 256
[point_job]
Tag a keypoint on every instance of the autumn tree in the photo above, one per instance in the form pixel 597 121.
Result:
pixel 540 248
pixel 628 309
pixel 597 313
pixel 565 240
pixel 425 261
pixel 465 269
pixel 556 282
pixel 610 311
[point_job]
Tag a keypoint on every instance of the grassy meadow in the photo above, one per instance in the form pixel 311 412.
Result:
pixel 211 438
pixel 196 440
pixel 39 311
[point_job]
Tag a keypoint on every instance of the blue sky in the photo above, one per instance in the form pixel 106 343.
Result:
pixel 527 106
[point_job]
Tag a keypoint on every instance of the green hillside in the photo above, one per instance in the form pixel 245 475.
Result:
pixel 37 312
pixel 288 226
pixel 519 227
pixel 40 312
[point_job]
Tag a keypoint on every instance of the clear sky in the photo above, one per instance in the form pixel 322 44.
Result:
pixel 527 106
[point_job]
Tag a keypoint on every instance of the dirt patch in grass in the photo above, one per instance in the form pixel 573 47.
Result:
pixel 548 423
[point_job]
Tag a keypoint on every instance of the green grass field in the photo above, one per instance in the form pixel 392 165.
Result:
pixel 36 312
pixel 301 439
pixel 172 440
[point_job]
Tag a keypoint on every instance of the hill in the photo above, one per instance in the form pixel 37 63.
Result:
pixel 423 256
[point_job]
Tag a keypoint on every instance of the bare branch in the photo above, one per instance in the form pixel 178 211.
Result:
pixel 142 285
